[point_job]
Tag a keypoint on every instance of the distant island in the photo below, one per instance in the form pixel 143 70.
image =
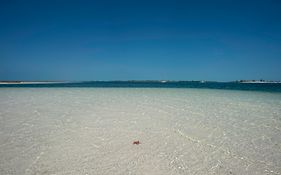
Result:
pixel 257 81
pixel 29 82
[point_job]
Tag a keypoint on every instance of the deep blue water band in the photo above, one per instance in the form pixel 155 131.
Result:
pixel 267 87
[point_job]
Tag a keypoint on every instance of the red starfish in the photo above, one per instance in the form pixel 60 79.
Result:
pixel 136 142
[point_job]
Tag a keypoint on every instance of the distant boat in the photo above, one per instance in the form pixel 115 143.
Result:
pixel 163 81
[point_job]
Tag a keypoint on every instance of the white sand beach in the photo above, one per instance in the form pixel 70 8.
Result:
pixel 181 131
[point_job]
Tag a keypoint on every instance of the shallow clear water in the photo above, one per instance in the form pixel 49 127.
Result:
pixel 182 131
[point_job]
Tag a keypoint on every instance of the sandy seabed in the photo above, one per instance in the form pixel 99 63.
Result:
pixel 181 131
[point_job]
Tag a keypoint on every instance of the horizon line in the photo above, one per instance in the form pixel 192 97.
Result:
pixel 158 80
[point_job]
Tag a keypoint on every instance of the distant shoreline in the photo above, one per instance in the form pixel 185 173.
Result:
pixel 260 82
pixel 31 82
pixel 140 81
pixel 257 81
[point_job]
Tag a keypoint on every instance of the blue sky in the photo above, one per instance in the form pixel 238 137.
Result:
pixel 140 40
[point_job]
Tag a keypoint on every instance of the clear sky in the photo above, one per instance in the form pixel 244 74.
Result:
pixel 140 39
